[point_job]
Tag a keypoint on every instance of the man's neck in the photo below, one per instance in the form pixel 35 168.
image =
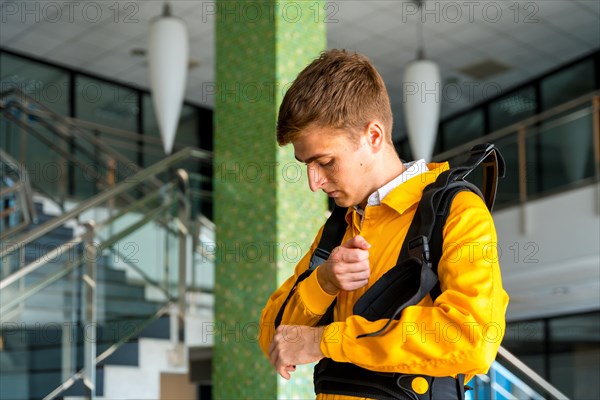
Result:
pixel 389 168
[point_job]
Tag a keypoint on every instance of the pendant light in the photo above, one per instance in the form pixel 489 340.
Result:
pixel 422 104
pixel 168 54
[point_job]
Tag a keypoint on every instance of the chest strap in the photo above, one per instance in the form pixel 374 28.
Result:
pixel 350 380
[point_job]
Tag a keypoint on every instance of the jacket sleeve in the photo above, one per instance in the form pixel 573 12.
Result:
pixel 306 306
pixel 461 331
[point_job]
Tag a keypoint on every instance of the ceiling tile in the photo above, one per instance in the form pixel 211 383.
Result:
pixel 77 59
pixel 591 5
pixel 473 34
pixel 589 33
pixel 12 28
pixel 344 12
pixel 347 36
pixel 544 9
pixel 439 44
pixel 202 49
pixel 37 44
pixel 460 56
pixel 62 31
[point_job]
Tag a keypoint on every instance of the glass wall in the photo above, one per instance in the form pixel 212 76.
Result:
pixel 187 131
pixel 49 86
pixel 512 108
pixel 568 84
pixel 540 94
pixel 463 129
pixel 125 114
pixel 558 150
pixel 46 84
pixel 563 350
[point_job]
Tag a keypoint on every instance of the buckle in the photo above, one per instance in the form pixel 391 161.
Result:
pixel 419 248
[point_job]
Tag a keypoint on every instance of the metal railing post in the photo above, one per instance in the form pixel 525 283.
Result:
pixel 596 135
pixel 89 310
pixel 522 154
pixel 184 257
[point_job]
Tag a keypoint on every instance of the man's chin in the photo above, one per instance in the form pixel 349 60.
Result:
pixel 344 203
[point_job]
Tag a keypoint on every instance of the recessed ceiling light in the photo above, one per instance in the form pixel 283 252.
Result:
pixel 560 290
pixel 484 69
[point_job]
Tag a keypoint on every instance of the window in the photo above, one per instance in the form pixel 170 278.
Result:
pixel 512 108
pixel 464 128
pixel 567 84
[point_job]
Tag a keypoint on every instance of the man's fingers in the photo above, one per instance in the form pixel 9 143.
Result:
pixel 357 242
pixel 358 276
pixel 273 355
pixel 285 370
pixel 346 255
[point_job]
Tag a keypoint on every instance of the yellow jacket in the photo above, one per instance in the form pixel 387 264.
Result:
pixel 458 333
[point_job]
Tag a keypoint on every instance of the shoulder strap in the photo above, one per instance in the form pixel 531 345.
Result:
pixel 333 233
pixel 427 225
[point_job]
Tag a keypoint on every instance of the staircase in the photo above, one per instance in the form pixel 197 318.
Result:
pixel 78 311
pixel 44 331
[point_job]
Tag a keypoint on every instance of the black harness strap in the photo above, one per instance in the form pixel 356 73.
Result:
pixel 333 233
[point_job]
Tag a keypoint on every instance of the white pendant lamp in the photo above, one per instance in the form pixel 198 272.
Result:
pixel 422 102
pixel 168 54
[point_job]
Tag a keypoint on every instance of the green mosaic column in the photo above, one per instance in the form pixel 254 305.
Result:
pixel 266 217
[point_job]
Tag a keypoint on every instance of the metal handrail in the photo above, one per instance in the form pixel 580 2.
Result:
pixel 511 129
pixel 34 265
pixel 531 374
pixel 119 133
pixel 106 244
pixel 25 181
pixel 43 260
pixel 109 194
pixel 108 352
pixel 57 149
pixel 45 112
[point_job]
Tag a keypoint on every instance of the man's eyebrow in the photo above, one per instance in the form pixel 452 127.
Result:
pixel 310 159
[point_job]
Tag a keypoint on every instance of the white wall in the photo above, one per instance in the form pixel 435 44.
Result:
pixel 554 266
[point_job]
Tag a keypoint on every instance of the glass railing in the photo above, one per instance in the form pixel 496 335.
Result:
pixel 545 154
pixel 16 198
pixel 68 310
pixel 510 379
pixel 62 160
pixel 70 159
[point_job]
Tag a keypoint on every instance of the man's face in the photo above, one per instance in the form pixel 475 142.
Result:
pixel 337 163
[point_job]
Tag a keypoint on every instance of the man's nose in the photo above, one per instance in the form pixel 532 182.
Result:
pixel 315 178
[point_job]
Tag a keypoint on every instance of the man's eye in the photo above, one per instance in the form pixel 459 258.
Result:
pixel 327 164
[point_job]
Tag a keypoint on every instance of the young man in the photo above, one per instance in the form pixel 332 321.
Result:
pixel 337 116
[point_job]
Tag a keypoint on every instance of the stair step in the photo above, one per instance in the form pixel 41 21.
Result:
pixel 37 371
pixel 14 386
pixel 103 273
pixel 38 385
pixel 60 232
pixel 78 389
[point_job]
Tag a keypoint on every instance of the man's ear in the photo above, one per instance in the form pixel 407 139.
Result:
pixel 375 134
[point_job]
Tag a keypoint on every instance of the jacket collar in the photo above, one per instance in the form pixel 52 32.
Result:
pixel 409 193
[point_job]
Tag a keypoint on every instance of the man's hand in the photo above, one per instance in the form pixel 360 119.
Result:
pixel 347 267
pixel 295 345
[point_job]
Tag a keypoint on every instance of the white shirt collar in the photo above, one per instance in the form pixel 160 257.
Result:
pixel 412 169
